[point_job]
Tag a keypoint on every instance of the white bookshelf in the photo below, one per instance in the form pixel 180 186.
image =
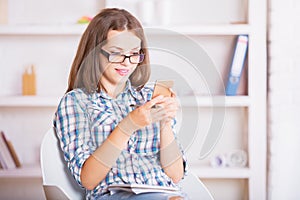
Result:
pixel 185 101
pixel 206 29
pixel 22 30
pixel 52 47
pixel 215 101
pixel 78 29
pixel 29 101
pixel 22 172
pixel 221 173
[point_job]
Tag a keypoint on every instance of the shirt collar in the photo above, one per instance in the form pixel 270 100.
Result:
pixel 131 89
pixel 128 88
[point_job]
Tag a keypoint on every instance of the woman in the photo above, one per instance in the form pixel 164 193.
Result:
pixel 109 128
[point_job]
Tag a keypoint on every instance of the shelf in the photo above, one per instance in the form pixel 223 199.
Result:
pixel 201 172
pixel 215 101
pixel 220 173
pixel 75 29
pixel 186 101
pixel 217 29
pixel 29 101
pixel 23 172
pixel 78 29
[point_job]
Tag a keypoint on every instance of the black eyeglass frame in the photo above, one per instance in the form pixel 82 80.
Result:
pixel 107 55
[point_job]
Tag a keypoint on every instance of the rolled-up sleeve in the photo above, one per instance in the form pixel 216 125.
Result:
pixel 184 159
pixel 72 128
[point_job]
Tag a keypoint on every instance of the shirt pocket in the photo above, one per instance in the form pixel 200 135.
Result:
pixel 103 121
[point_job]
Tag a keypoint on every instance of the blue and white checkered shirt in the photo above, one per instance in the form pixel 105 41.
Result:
pixel 83 121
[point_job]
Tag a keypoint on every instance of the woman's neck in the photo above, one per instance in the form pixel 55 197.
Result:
pixel 113 90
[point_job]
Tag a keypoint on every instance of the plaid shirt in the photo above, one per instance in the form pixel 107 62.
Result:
pixel 83 121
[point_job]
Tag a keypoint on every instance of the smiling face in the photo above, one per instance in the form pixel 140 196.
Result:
pixel 118 43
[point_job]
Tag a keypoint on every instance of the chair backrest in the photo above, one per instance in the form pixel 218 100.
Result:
pixel 194 188
pixel 58 182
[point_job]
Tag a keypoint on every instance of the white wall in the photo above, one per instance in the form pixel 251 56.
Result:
pixel 284 99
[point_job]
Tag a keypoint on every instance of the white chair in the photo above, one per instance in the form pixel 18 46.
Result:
pixel 59 184
pixel 194 188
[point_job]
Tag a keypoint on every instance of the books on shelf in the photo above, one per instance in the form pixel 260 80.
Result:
pixel 8 155
pixel 237 65
pixel 140 188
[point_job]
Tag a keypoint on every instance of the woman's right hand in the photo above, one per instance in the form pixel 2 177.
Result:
pixel 145 115
pixel 142 116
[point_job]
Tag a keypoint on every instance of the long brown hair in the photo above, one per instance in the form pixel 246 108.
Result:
pixel 86 69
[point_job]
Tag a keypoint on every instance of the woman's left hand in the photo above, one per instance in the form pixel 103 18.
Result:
pixel 170 106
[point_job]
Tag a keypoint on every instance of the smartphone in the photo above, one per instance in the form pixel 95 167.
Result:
pixel 162 87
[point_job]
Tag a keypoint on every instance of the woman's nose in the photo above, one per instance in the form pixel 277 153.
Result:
pixel 126 61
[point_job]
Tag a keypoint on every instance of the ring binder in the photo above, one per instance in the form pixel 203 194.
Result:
pixel 237 65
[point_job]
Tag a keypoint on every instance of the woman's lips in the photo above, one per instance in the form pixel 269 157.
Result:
pixel 122 72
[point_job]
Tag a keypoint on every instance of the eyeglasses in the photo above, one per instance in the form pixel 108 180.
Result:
pixel 119 58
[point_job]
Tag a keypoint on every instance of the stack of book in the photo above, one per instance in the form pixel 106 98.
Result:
pixel 8 156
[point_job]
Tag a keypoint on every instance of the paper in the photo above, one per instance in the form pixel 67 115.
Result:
pixel 140 188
